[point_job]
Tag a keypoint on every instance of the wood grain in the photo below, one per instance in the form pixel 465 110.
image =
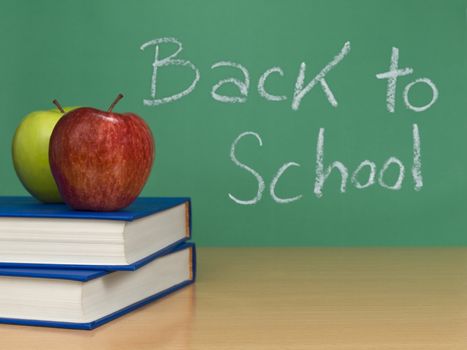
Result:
pixel 292 298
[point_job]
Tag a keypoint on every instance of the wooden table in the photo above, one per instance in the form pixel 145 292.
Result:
pixel 292 298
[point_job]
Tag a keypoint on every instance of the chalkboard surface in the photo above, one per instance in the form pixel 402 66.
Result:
pixel 318 122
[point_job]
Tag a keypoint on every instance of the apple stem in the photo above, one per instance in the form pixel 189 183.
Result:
pixel 59 106
pixel 119 97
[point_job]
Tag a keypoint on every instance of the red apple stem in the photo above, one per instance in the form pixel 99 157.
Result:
pixel 59 106
pixel 119 97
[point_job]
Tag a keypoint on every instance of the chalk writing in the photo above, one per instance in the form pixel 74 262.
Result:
pixel 323 168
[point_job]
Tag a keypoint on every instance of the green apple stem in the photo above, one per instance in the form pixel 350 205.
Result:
pixel 59 106
pixel 119 97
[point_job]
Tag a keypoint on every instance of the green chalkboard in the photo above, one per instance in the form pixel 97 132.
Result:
pixel 374 88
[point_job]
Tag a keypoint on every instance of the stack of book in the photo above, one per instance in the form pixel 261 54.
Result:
pixel 77 269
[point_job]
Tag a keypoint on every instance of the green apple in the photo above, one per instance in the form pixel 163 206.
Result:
pixel 30 151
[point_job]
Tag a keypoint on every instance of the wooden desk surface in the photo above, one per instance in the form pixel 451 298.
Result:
pixel 292 298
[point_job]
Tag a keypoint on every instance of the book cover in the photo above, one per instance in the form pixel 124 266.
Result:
pixel 28 207
pixel 84 276
pixel 22 206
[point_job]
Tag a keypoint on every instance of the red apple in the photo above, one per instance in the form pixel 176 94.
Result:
pixel 100 160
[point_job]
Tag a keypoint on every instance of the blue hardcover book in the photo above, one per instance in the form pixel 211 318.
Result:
pixel 35 234
pixel 86 299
